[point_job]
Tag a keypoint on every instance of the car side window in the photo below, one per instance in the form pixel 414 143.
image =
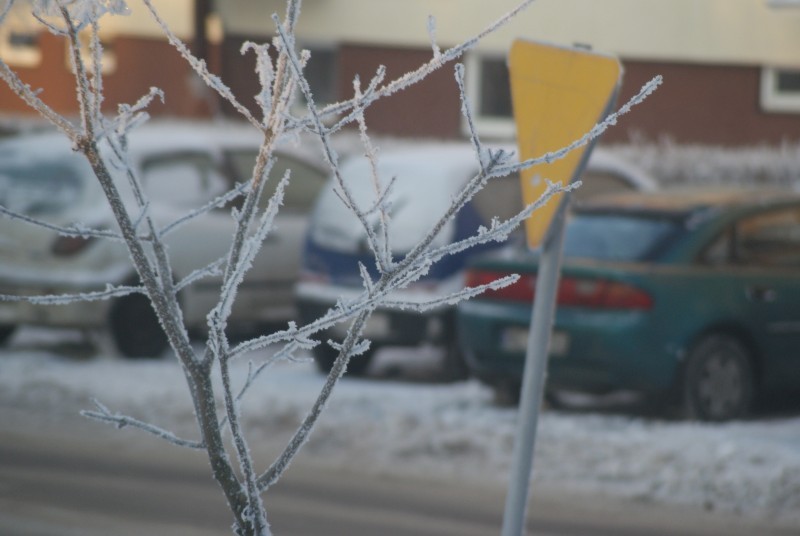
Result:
pixel 43 188
pixel 185 179
pixel 720 250
pixel 770 239
pixel 304 186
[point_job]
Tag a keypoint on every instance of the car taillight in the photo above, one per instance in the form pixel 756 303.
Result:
pixel 67 246
pixel 307 276
pixel 521 291
pixel 572 291
pixel 601 294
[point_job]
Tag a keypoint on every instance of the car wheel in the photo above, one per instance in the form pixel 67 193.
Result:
pixel 718 380
pixel 6 331
pixel 506 393
pixel 135 328
pixel 324 357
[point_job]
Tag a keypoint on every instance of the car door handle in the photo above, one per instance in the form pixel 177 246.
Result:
pixel 761 294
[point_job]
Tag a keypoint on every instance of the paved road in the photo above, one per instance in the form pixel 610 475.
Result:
pixel 77 480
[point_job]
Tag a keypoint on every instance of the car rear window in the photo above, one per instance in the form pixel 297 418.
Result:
pixel 619 237
pixel 40 188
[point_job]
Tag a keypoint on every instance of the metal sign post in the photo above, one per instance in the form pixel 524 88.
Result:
pixel 533 378
pixel 558 95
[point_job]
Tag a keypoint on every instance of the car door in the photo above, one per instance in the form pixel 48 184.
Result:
pixel 176 184
pixel 766 255
pixel 181 182
pixel 268 290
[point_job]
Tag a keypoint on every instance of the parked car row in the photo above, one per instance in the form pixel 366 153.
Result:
pixel 687 296
pixel 427 178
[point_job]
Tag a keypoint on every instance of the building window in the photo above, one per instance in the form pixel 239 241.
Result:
pixel 108 60
pixel 780 90
pixel 489 93
pixel 19 48
pixel 321 73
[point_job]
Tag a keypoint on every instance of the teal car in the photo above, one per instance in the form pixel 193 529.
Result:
pixel 690 297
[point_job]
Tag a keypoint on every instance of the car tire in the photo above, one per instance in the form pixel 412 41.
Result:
pixel 135 328
pixel 718 382
pixel 507 393
pixel 325 356
pixel 6 331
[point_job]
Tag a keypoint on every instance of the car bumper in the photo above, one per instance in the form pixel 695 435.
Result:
pixel 593 351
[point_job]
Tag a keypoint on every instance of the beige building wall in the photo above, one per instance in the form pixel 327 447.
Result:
pixel 139 23
pixel 705 31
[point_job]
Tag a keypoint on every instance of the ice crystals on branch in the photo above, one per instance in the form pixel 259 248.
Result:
pixel 453 298
pixel 111 291
pixel 280 69
pixel 121 421
pixel 432 34
pixel 82 12
pixel 266 74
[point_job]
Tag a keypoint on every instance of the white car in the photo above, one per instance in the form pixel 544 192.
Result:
pixel 427 179
pixel 182 167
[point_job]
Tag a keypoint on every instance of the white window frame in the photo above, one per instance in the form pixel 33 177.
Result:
pixel 18 56
pixel 299 106
pixel 108 58
pixel 773 100
pixel 487 126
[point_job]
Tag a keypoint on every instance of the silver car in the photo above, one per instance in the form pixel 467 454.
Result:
pixel 182 166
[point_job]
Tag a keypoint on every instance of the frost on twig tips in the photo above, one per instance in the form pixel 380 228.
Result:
pixel 103 414
pixel 281 74
pixel 437 52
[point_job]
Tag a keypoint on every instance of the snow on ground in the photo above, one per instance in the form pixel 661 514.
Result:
pixel 446 431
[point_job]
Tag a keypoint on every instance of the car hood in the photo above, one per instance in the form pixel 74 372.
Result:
pixel 422 191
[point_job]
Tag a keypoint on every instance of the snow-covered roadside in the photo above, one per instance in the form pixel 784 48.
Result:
pixel 447 431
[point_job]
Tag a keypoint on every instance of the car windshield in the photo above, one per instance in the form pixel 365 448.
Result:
pixel 242 163
pixel 39 188
pixel 619 237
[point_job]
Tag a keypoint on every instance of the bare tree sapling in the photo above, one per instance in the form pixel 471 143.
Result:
pixel 101 137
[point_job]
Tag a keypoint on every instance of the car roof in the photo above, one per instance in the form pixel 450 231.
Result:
pixel 457 155
pixel 687 200
pixel 157 136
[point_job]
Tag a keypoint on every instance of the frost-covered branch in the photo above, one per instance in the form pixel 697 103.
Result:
pixel 78 231
pixel 593 134
pixel 199 67
pixel 210 270
pixel 280 70
pixel 301 436
pixel 418 74
pixel 103 414
pixel 410 273
pixel 384 251
pixel 31 98
pixel 453 298
pixel 219 202
pixel 466 111
pixel 330 154
pixel 110 291
pixel 243 262
pixel 6 9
